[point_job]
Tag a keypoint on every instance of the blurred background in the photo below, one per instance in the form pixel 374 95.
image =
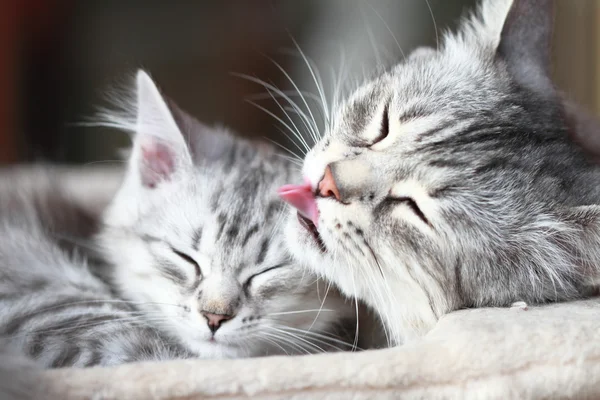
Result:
pixel 58 58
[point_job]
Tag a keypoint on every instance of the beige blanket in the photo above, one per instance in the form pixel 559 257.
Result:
pixel 546 352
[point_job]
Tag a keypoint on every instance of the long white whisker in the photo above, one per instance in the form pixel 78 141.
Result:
pixel 322 304
pixel 281 122
pixel 300 312
pixel 85 302
pixel 315 129
pixel 389 30
pixel 371 39
pixel 356 330
pixel 286 340
pixel 293 336
pixel 293 160
pixel 268 340
pixel 143 320
pixel 319 335
pixel 273 89
pixel 437 41
pixel 316 79
pixel 298 134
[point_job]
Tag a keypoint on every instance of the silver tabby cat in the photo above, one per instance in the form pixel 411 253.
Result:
pixel 196 261
pixel 451 181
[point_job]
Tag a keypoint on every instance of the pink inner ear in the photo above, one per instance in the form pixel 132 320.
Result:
pixel 302 198
pixel 157 163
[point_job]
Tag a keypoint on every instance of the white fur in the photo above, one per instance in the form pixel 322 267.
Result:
pixel 169 214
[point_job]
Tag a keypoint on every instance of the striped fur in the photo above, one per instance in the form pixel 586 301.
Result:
pixel 129 274
pixel 458 183
pixel 53 309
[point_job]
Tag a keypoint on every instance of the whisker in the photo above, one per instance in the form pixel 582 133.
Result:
pixel 111 301
pixel 291 335
pixel 298 134
pixel 356 330
pixel 437 41
pixel 316 79
pixel 308 109
pixel 282 123
pixel 310 125
pixel 138 319
pixel 322 304
pixel 320 336
pixel 300 311
pixel 385 24
pixel 285 340
pixel 371 39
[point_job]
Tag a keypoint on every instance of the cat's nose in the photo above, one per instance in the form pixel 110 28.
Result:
pixel 215 320
pixel 327 187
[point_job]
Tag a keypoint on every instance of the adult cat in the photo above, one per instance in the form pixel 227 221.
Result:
pixel 451 181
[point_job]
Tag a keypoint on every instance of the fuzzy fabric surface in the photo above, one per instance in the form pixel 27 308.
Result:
pixel 520 352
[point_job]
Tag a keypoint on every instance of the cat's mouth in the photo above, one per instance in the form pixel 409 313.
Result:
pixel 312 230
pixel 303 199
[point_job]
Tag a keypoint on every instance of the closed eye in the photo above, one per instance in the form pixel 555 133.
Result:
pixel 384 130
pixel 249 280
pixel 411 203
pixel 189 260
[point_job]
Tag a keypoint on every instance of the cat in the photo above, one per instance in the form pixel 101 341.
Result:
pixel 196 265
pixel 453 180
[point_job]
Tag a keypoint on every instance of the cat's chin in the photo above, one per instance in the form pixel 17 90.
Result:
pixel 302 242
pixel 310 252
pixel 215 349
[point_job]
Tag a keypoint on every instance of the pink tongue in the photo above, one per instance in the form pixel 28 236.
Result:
pixel 301 197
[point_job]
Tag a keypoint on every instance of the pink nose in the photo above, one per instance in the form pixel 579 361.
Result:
pixel 327 187
pixel 215 320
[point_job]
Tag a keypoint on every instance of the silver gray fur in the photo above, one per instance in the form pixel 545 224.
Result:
pixel 458 183
pixel 61 305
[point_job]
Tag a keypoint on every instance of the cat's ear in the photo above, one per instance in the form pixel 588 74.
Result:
pixel 525 43
pixel 159 148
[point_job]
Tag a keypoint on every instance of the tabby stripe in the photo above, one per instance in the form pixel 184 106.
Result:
pixel 264 247
pixel 252 231
pixel 95 359
pixel 70 324
pixel 196 238
pixel 272 208
pixel 221 218
pixel 66 357
pixel 172 273
pixel 434 131
pixel 53 308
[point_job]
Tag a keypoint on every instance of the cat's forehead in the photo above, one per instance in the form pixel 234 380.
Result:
pixel 440 85
pixel 232 205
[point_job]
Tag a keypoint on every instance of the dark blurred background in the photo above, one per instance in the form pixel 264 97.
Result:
pixel 58 58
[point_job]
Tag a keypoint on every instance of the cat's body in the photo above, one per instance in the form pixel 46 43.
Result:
pixel 451 181
pixel 185 261
pixel 53 308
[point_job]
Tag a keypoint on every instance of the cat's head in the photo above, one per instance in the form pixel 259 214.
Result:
pixel 450 181
pixel 195 236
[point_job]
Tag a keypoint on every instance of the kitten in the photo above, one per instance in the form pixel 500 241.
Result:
pixel 451 181
pixel 197 265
